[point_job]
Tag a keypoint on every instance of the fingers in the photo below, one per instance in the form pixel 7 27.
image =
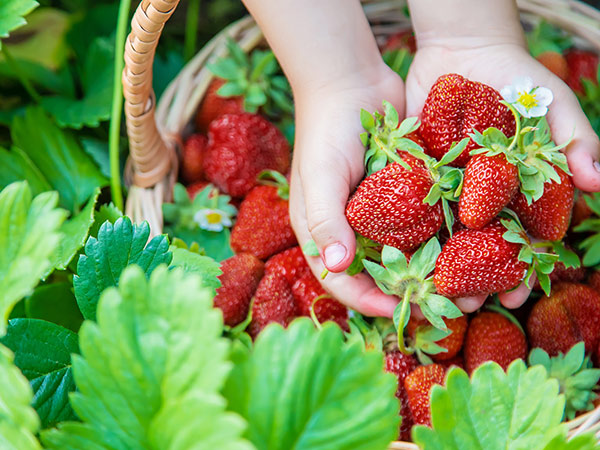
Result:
pixel 470 304
pixel 516 298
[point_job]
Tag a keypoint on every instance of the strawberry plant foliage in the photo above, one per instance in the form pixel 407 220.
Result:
pixel 29 234
pixel 519 409
pixel 12 14
pixel 306 389
pixel 116 247
pixel 142 376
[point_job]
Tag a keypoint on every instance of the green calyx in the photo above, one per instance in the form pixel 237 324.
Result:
pixel 425 342
pixel 541 263
pixel 576 377
pixel 257 77
pixel 412 282
pixel 277 180
pixel 591 244
pixel 367 334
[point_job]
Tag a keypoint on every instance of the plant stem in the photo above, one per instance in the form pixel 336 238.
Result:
pixel 191 29
pixel 517 126
pixel 21 76
pixel 117 106
pixel 405 309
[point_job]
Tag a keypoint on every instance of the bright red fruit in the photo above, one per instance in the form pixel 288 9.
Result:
pixel 273 302
pixel 453 342
pixel 489 185
pixel 306 289
pixel 454 108
pixel 418 385
pixel 387 207
pixel 555 62
pixel 290 263
pixel 240 277
pixel 477 262
pixel 192 157
pixel 214 106
pixel 493 337
pixel 570 314
pixel 263 224
pixel 582 64
pixel 240 146
pixel 548 217
pixel 401 365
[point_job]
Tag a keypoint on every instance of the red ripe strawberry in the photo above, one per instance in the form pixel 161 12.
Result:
pixel 307 289
pixel 240 146
pixel 555 63
pixel 457 361
pixel 548 217
pixel 570 314
pixel 594 280
pixel 290 263
pixel 194 188
pixel 401 365
pixel 493 337
pixel 454 108
pixel 581 210
pixel 214 106
pixel 263 224
pixel 273 302
pixel 387 207
pixel 241 274
pixel 418 385
pixel 402 39
pixel 453 342
pixel 477 262
pixel 562 273
pixel 582 64
pixel 489 185
pixel 192 156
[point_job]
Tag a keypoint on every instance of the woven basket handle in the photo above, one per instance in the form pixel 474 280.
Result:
pixel 151 158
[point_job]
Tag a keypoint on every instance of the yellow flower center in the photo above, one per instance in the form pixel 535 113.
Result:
pixel 213 218
pixel 527 100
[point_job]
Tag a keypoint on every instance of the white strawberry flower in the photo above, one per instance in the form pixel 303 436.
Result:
pixel 528 100
pixel 212 219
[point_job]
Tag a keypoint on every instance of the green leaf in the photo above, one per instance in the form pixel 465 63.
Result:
pixel 310 248
pixel 18 421
pixel 54 302
pixel 43 353
pixel 16 166
pixel 97 150
pixel 75 232
pixel 142 378
pixel 12 15
pixel 207 268
pixel 28 237
pixel 108 212
pixel 105 258
pixel 318 391
pixel 97 78
pixel 60 158
pixel 519 409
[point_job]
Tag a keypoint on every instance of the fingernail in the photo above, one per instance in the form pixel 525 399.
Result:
pixel 597 166
pixel 334 254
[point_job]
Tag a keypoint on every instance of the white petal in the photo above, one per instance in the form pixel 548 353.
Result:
pixel 523 84
pixel 226 221
pixel 543 96
pixel 509 93
pixel 538 111
pixel 522 110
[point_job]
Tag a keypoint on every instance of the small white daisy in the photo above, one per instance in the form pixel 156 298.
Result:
pixel 530 101
pixel 212 219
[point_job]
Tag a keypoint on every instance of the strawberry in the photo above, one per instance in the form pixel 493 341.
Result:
pixel 273 302
pixel 387 207
pixel 240 146
pixel 402 39
pixel 581 209
pixel 263 223
pixel 548 217
pixel 571 313
pixel 418 329
pixel 240 277
pixel 402 365
pixel 555 63
pixel 214 106
pixel 457 361
pixel 477 262
pixel 454 108
pixel 563 273
pixel 194 188
pixel 489 185
pixel 290 263
pixel 192 156
pixel 493 337
pixel 418 385
pixel 594 280
pixel 306 290
pixel 582 64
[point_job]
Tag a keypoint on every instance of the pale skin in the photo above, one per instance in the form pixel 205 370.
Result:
pixel 329 54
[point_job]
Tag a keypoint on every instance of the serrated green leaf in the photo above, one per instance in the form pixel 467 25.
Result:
pixel 207 268
pixel 16 166
pixel 97 150
pixel 142 378
pixel 18 421
pixel 523 405
pixel 105 258
pixel 107 212
pixel 28 237
pixel 314 394
pixel 584 441
pixel 43 353
pixel 60 158
pixel 12 15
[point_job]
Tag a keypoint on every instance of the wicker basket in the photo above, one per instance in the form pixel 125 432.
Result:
pixel 155 131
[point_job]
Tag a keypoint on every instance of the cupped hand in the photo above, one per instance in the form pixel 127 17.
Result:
pixel 498 64
pixel 327 165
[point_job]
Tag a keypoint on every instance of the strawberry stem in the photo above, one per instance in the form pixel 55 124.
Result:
pixel 402 319
pixel 517 125
pixel 313 314
pixel 392 155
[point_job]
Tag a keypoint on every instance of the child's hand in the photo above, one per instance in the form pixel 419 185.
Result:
pixel 328 164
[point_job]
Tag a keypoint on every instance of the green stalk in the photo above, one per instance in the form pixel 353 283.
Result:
pixel 117 105
pixel 21 75
pixel 518 125
pixel 191 29
pixel 405 310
